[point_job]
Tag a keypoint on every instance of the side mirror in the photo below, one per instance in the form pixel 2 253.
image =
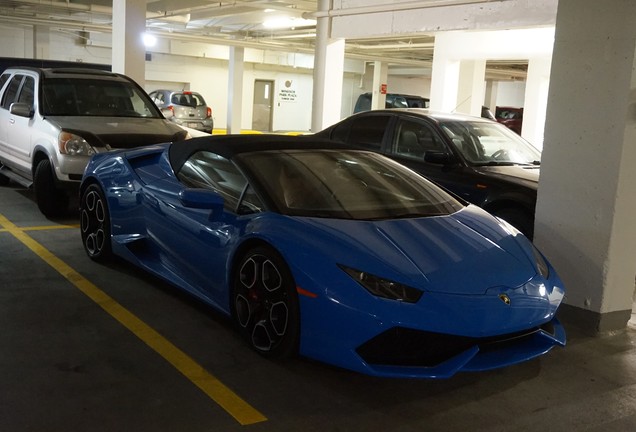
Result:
pixel 21 109
pixel 442 158
pixel 201 199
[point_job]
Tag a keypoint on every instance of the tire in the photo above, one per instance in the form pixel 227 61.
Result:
pixel 265 303
pixel 95 224
pixel 518 218
pixel 51 201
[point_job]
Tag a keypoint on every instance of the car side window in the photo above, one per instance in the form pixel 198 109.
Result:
pixel 157 98
pixel 12 91
pixel 367 131
pixel 414 139
pixel 28 91
pixel 207 170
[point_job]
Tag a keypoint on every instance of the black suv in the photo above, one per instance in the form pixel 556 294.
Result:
pixel 477 159
pixel 393 100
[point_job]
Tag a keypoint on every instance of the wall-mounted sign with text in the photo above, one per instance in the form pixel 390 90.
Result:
pixel 287 93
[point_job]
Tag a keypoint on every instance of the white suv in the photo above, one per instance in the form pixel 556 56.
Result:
pixel 53 120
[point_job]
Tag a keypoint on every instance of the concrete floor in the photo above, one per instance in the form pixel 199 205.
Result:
pixel 67 365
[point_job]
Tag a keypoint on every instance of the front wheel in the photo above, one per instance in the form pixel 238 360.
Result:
pixel 95 223
pixel 51 200
pixel 265 303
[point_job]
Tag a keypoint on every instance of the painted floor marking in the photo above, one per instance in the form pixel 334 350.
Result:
pixel 244 413
pixel 43 228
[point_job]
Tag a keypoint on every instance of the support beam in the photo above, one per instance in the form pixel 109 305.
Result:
pixel 328 74
pixel 129 52
pixel 235 89
pixel 380 76
pixel 471 87
pixel 536 100
pixel 587 200
pixel 41 42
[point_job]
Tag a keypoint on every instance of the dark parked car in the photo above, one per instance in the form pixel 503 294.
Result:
pixel 477 159
pixel 510 117
pixel 185 108
pixel 393 100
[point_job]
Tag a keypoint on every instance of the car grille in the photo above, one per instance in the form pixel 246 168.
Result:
pixel 407 347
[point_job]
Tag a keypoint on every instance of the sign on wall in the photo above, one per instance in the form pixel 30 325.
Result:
pixel 288 92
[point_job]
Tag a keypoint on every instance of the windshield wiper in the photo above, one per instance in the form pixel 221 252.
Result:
pixel 506 163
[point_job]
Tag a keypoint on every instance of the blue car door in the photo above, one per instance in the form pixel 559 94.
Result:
pixel 195 243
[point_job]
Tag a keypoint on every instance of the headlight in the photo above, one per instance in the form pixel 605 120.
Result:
pixel 383 287
pixel 74 145
pixel 542 265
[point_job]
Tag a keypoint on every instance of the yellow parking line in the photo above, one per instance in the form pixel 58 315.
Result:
pixel 43 227
pixel 244 413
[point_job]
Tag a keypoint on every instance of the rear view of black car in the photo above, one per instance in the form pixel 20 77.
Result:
pixel 479 160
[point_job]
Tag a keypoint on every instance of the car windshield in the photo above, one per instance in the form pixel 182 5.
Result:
pixel 345 185
pixel 486 143
pixel 95 97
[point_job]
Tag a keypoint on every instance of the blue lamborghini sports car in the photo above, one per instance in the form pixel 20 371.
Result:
pixel 340 255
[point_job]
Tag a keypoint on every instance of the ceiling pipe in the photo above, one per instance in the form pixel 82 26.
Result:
pixel 393 7
pixel 105 28
pixel 272 46
pixel 397 46
pixel 230 9
pixel 65 6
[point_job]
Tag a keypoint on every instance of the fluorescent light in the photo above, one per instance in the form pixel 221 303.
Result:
pixel 149 40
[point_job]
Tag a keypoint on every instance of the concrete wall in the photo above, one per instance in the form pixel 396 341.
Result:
pixel 202 68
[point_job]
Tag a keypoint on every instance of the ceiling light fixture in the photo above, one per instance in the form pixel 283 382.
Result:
pixel 149 40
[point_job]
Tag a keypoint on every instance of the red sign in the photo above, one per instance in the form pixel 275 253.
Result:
pixel 382 88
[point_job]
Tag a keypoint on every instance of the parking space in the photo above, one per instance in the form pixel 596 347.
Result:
pixel 86 346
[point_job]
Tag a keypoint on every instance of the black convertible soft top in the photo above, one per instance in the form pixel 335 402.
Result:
pixel 230 145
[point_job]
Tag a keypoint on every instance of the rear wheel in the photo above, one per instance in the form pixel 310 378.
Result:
pixel 51 200
pixel 95 223
pixel 265 303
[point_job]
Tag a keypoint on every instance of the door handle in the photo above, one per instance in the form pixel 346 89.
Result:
pixel 12 120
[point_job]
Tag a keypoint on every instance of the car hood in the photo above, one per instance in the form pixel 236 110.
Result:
pixel 522 174
pixel 120 132
pixel 468 252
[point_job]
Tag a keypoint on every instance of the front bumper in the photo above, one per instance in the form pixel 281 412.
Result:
pixel 401 352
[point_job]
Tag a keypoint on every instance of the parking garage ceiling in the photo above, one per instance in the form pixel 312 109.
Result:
pixel 284 25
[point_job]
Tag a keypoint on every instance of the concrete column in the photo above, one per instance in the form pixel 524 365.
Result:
pixel 490 99
pixel 235 89
pixel 129 52
pixel 41 42
pixel 587 199
pixel 328 73
pixel 380 77
pixel 471 87
pixel 445 74
pixel 536 100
